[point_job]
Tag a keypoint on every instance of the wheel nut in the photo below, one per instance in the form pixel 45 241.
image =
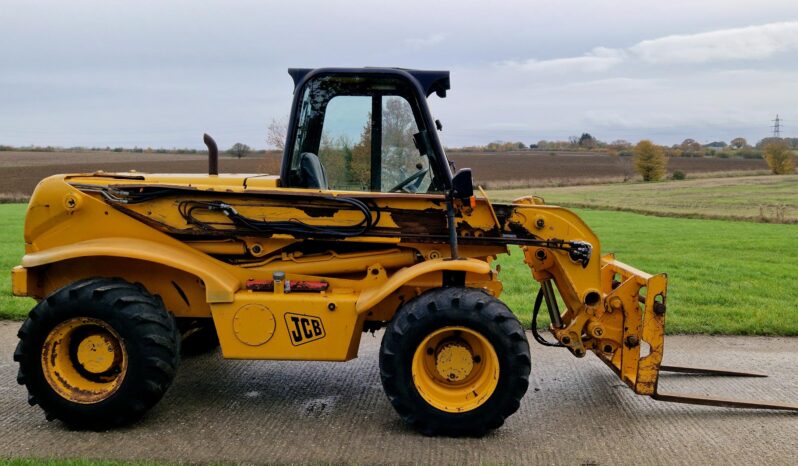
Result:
pixel 632 341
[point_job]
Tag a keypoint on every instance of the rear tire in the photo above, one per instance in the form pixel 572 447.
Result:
pixel 429 388
pixel 97 353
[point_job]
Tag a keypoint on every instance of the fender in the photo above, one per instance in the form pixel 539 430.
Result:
pixel 372 296
pixel 220 285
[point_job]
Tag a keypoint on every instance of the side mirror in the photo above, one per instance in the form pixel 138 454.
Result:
pixel 421 140
pixel 462 184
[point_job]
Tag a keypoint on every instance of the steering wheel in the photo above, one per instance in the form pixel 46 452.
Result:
pixel 404 183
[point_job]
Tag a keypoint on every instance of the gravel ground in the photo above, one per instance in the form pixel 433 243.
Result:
pixel 575 412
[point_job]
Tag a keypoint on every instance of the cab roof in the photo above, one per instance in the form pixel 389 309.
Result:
pixel 428 80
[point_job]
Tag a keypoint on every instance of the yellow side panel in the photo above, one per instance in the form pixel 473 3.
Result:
pixel 303 326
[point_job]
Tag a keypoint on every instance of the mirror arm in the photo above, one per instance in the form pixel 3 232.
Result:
pixel 452 224
pixel 462 189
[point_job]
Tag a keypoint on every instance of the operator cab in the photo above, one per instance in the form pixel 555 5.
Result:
pixel 365 129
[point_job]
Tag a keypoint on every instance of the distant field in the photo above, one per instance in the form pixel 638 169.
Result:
pixel 539 168
pixel 725 277
pixel 770 198
pixel 20 171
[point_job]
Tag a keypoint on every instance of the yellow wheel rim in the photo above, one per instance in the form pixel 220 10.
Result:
pixel 455 369
pixel 84 360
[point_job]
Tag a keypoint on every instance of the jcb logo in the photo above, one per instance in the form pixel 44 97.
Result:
pixel 304 329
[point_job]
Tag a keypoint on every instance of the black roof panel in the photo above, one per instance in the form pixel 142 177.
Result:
pixel 429 81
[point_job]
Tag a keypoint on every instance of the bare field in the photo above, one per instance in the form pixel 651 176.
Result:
pixel 523 169
pixel 20 171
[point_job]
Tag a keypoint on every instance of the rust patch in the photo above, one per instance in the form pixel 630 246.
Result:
pixel 429 221
pixel 82 395
pixel 317 211
pixel 54 352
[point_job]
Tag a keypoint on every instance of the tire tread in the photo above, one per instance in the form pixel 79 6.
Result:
pixel 472 306
pixel 152 343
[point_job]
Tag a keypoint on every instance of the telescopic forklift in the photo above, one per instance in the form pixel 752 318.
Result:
pixel 367 226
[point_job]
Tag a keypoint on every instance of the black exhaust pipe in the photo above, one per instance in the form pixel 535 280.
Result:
pixel 213 154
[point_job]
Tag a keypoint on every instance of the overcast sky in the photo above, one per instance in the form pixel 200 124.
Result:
pixel 160 73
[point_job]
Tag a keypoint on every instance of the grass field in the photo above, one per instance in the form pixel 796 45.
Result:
pixel 12 247
pixel 62 462
pixel 725 276
pixel 755 198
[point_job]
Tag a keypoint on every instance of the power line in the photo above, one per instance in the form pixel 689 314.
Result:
pixel 777 126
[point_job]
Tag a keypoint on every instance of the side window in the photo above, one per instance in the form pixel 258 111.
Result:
pixel 401 160
pixel 345 146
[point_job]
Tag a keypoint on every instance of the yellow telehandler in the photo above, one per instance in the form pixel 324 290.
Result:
pixel 367 226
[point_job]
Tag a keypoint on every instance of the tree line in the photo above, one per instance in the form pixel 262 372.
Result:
pixel 651 160
pixel 737 147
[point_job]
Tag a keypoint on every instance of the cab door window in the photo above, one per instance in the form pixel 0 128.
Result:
pixel 401 161
pixel 345 146
pixel 359 139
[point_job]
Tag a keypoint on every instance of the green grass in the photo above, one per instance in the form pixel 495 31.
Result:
pixel 771 198
pixel 725 276
pixel 12 247
pixel 64 462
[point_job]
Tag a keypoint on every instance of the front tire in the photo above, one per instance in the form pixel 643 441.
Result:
pixel 97 353
pixel 455 361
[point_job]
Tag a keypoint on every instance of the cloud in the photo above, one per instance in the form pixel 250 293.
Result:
pixel 652 103
pixel 167 63
pixel 748 43
pixel 425 41
pixel 598 59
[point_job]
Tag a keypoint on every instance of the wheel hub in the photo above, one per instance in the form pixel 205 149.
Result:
pixel 454 360
pixel 96 353
pixel 455 369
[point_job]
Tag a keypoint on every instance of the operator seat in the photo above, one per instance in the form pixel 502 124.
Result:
pixel 311 171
